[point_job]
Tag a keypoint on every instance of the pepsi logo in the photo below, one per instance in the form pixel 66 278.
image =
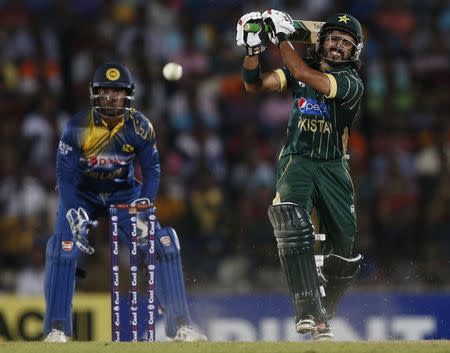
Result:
pixel 302 102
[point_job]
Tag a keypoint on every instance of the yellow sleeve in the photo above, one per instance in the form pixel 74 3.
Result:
pixel 282 77
pixel 333 86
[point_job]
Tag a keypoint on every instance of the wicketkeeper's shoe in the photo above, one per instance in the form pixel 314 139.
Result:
pixel 56 336
pixel 306 325
pixel 323 332
pixel 189 334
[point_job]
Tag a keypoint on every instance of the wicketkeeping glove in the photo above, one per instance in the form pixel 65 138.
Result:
pixel 141 222
pixel 253 41
pixel 281 24
pixel 80 224
pixel 143 201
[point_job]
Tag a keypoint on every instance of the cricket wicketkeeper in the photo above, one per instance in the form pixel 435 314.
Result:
pixel 312 170
pixel 94 170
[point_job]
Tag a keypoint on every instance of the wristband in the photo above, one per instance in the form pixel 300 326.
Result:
pixel 258 49
pixel 282 37
pixel 251 76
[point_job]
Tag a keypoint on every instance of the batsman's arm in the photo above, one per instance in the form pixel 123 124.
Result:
pixel 268 81
pixel 318 80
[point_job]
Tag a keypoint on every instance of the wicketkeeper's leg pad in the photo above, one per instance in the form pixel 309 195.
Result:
pixel 170 288
pixel 336 274
pixel 294 234
pixel 59 283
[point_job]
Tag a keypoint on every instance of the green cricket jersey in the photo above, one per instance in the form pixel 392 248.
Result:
pixel 319 125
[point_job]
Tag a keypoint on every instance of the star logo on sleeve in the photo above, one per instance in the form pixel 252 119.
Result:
pixel 344 19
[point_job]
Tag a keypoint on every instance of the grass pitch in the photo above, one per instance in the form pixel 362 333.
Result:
pixel 230 347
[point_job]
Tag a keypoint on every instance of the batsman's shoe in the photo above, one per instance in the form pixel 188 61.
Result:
pixel 56 336
pixel 323 332
pixel 306 325
pixel 189 334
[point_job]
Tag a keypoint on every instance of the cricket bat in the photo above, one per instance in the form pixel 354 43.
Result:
pixel 305 31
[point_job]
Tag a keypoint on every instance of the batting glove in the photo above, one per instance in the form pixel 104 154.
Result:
pixel 253 41
pixel 80 224
pixel 281 24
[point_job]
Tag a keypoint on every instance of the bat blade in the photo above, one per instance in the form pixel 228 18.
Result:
pixel 306 31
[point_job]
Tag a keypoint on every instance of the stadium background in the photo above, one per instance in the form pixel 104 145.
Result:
pixel 218 145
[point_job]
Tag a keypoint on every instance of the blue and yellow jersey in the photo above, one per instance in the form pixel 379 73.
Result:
pixel 91 157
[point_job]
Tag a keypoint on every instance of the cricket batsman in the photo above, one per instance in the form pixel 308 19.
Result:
pixel 312 168
pixel 94 169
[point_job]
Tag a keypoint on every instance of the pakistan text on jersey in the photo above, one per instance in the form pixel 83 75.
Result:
pixel 315 125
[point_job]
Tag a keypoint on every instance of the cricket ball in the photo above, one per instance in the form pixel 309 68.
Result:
pixel 172 71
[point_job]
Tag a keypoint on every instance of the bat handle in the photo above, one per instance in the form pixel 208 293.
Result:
pixel 256 27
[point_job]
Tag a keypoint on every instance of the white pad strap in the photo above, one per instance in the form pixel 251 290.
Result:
pixel 319 237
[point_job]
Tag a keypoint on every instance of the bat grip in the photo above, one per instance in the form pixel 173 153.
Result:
pixel 256 27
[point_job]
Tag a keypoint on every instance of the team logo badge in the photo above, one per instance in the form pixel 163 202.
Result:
pixel 127 148
pixel 112 74
pixel 344 19
pixel 165 240
pixel 67 245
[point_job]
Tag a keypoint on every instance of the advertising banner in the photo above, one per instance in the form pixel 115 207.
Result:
pixel 380 316
pixel 250 317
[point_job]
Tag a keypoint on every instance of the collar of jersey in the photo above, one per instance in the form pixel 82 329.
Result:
pixel 98 121
pixel 96 136
pixel 340 69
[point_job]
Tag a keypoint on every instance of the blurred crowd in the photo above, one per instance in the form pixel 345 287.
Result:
pixel 218 145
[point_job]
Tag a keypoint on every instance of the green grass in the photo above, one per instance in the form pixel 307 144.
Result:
pixel 230 347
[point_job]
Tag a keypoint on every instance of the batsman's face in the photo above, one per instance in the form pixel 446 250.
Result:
pixel 111 101
pixel 338 45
